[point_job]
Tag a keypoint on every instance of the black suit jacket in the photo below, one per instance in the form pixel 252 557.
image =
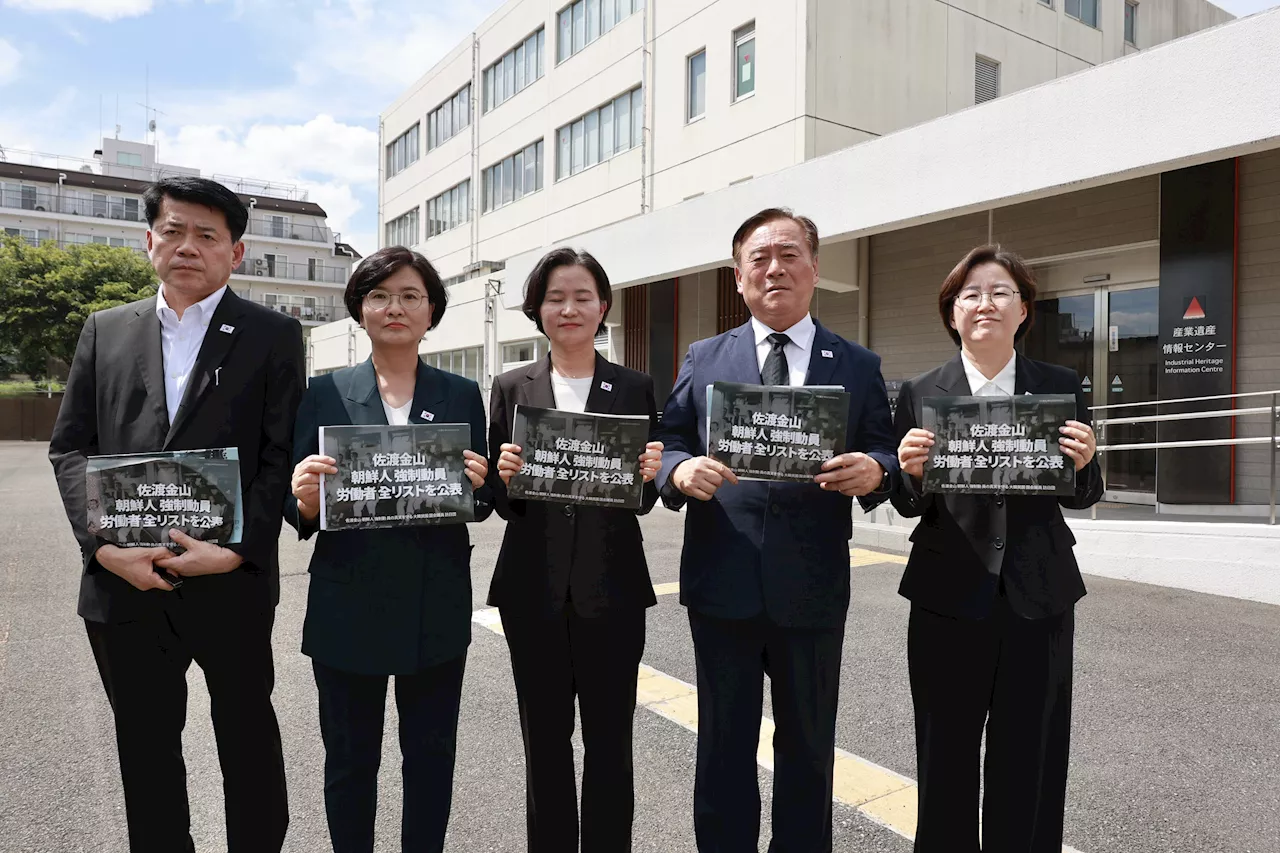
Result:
pixel 965 544
pixel 593 556
pixel 243 393
pixel 387 601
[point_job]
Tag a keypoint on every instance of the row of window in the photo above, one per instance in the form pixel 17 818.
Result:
pixel 468 363
pixel 583 22
pixel 403 230
pixel 580 24
pixel 519 68
pixel 449 209
pixel 744 72
pixel 450 118
pixel 600 134
pixel 403 151
pixel 1086 12
pixel 512 179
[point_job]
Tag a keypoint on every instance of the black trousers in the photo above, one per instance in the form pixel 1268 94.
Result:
pixel 352 711
pixel 1013 676
pixel 803 665
pixel 555 659
pixel 143 665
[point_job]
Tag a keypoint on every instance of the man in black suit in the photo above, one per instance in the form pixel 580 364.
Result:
pixel 193 367
pixel 765 565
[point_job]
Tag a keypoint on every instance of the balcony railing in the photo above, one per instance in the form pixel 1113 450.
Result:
pixel 267 268
pixel 93 205
pixel 311 313
pixel 282 230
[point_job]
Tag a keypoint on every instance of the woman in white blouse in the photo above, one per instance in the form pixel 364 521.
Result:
pixel 571 582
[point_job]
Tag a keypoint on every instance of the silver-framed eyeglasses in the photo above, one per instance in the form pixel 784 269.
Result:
pixel 380 300
pixel 971 298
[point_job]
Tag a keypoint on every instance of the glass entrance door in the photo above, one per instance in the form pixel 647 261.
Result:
pixel 1063 332
pixel 1129 376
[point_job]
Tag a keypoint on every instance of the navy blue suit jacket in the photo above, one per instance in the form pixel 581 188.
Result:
pixel 779 549
pixel 390 601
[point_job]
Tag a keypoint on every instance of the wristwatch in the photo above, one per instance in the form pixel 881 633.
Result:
pixel 885 482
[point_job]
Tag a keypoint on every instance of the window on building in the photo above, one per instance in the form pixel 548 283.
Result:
pixel 1131 23
pixel 516 70
pixel 512 178
pixel 1048 3
pixel 583 22
pixel 449 209
pixel 450 118
pixel 602 133
pixel 744 62
pixel 467 363
pixel 403 230
pixel 403 151
pixel 126 158
pixel 519 353
pixel 697 85
pixel 986 80
pixel 277 226
pixel 1084 11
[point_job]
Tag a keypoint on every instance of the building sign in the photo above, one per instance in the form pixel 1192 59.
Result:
pixel 1197 335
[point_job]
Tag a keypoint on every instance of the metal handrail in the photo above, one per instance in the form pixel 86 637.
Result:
pixel 1273 410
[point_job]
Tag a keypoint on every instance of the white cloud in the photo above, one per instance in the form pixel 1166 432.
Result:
pixel 10 59
pixel 332 161
pixel 107 10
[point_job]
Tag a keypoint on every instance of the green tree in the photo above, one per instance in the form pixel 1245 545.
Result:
pixel 47 292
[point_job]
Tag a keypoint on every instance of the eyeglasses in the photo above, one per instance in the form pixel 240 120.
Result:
pixel 380 300
pixel 1001 297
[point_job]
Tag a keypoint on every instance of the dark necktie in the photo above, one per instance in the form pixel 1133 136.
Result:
pixel 776 371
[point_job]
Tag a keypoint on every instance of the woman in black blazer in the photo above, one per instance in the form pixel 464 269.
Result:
pixel 571 582
pixel 993 585
pixel 392 601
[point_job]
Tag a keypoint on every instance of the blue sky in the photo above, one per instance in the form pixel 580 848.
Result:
pixel 286 90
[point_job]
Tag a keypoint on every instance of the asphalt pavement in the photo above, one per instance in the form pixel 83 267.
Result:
pixel 1175 747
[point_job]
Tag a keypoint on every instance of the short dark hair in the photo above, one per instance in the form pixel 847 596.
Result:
pixel 769 214
pixel 535 287
pixel 383 264
pixel 990 253
pixel 202 191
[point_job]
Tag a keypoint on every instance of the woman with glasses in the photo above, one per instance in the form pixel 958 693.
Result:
pixel 571 583
pixel 391 601
pixel 993 584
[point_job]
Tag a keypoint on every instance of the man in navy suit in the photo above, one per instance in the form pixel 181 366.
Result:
pixel 765 566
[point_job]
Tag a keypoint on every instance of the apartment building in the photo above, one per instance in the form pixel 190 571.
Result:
pixel 294 263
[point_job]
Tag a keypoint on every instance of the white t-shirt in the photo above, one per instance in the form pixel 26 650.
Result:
pixel 397 417
pixel 571 394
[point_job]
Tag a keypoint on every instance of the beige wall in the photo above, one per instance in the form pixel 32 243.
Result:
pixel 1114 215
pixel 1257 312
pixel 907 268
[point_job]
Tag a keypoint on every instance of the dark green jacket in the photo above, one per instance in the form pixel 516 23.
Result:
pixel 387 601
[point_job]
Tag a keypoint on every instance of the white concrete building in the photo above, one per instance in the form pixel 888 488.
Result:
pixel 554 118
pixel 294 263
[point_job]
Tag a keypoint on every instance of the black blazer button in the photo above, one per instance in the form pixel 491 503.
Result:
pixel 999 543
pixel 999 502
pixel 775 509
pixel 568 510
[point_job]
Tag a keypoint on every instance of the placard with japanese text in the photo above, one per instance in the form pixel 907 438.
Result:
pixel 998 445
pixel 775 432
pixel 396 476
pixel 134 500
pixel 587 458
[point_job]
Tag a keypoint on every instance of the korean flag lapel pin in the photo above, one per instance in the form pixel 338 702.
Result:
pixel 605 386
pixel 826 353
pixel 427 416
pixel 226 329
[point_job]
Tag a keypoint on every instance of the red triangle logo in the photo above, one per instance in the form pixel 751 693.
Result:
pixel 1194 311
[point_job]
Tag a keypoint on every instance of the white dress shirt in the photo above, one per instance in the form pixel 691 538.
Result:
pixel 180 342
pixel 571 394
pixel 397 416
pixel 797 351
pixel 1001 386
